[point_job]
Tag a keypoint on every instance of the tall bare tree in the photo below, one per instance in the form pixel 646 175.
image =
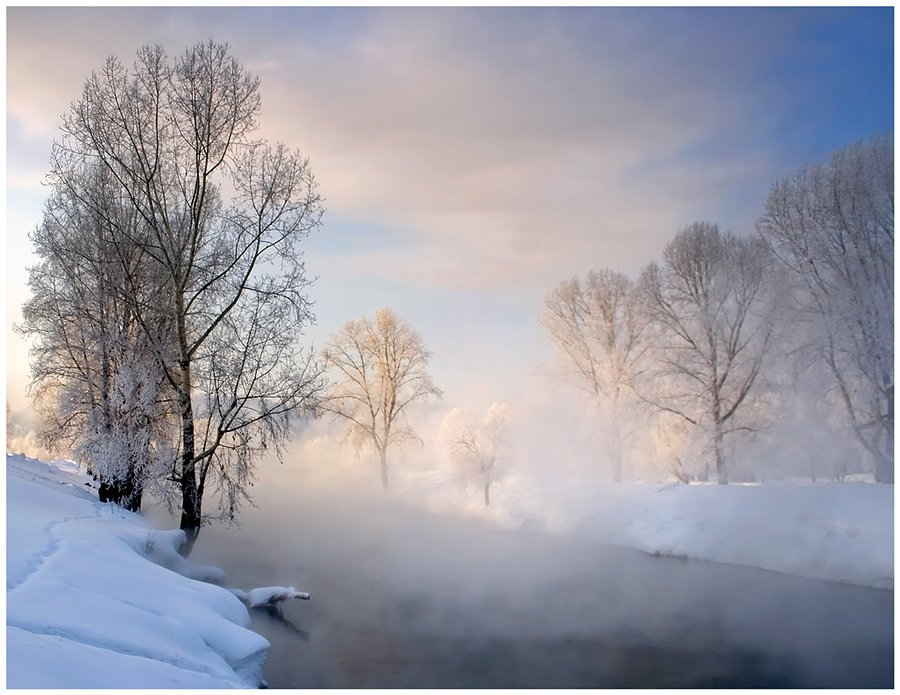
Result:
pixel 710 304
pixel 381 369
pixel 832 226
pixel 219 221
pixel 599 327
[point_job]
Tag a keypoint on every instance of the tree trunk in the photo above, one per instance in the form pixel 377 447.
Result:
pixel 703 474
pixel 190 504
pixel 190 500
pixel 133 501
pixel 718 445
pixel 884 470
pixel 384 468
pixel 884 459
pixel 132 490
pixel 616 447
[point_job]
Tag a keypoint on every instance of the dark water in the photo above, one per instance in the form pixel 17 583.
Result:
pixel 403 598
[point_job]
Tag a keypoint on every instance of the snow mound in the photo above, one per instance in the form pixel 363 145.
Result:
pixel 84 596
pixel 840 532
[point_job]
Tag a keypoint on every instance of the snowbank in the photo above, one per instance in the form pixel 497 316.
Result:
pixel 86 608
pixel 839 532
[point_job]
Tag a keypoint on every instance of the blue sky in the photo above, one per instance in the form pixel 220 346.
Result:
pixel 472 158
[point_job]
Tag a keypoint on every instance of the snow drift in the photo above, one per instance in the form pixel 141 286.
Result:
pixel 87 608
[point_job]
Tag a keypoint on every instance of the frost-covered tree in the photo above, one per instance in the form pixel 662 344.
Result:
pixel 710 305
pixel 380 369
pixel 832 226
pixel 599 328
pixel 102 391
pixel 480 451
pixel 219 217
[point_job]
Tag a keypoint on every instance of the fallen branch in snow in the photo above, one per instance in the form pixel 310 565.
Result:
pixel 269 595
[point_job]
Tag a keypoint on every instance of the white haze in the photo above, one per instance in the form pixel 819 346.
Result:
pixel 394 586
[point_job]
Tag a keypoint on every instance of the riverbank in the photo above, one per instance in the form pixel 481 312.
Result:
pixel 96 598
pixel 840 532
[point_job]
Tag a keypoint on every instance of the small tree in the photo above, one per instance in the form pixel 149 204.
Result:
pixel 381 369
pixel 832 226
pixel 599 328
pixel 480 451
pixel 712 325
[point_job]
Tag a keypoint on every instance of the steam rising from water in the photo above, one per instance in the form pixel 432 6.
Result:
pixel 406 598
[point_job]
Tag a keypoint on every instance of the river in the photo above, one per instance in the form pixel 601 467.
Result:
pixel 405 598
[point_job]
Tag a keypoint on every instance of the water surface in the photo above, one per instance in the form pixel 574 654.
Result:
pixel 404 598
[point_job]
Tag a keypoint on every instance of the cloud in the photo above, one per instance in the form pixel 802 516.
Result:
pixel 510 145
pixel 506 140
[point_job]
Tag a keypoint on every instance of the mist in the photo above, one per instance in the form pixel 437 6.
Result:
pixel 420 586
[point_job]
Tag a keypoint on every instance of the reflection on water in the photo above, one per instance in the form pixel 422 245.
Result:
pixel 276 615
pixel 402 598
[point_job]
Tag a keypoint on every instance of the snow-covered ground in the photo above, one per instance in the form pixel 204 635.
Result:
pixel 841 532
pixel 97 598
pixel 93 601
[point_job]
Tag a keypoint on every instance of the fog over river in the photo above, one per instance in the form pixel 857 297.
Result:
pixel 405 598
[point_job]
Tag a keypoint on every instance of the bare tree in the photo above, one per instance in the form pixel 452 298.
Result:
pixel 599 327
pixel 480 451
pixel 175 136
pixel 380 367
pixel 712 327
pixel 100 386
pixel 832 226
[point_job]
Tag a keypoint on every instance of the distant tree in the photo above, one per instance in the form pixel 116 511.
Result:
pixel 832 226
pixel 480 451
pixel 712 325
pixel 218 221
pixel 380 368
pixel 599 328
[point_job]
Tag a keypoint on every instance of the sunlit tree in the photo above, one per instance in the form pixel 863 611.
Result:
pixel 599 328
pixel 380 370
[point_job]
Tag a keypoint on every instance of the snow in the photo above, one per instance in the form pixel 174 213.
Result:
pixel 841 532
pixel 269 595
pixel 88 605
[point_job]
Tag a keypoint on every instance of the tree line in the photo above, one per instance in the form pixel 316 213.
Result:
pixel 703 337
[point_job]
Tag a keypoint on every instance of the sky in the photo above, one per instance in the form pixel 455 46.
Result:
pixel 471 159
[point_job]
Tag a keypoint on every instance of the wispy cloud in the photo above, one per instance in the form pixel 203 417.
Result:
pixel 519 146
